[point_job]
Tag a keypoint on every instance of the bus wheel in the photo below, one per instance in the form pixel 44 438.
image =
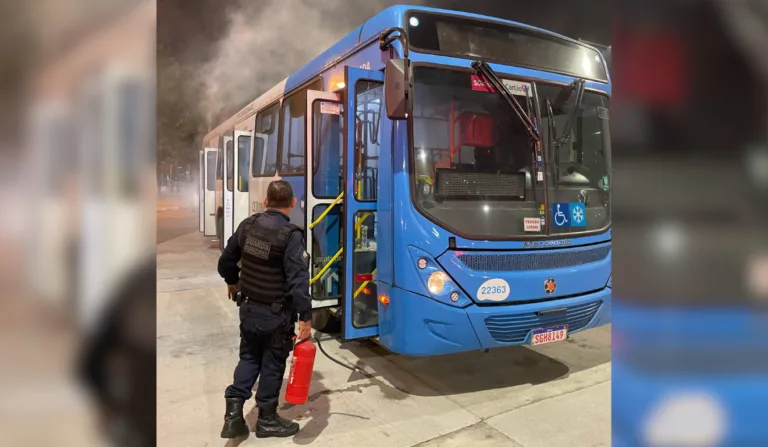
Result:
pixel 324 321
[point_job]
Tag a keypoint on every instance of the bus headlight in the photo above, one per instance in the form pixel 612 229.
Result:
pixel 436 282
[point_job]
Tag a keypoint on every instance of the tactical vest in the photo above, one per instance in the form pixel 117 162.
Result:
pixel 262 276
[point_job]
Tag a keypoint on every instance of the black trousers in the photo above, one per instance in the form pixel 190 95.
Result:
pixel 265 344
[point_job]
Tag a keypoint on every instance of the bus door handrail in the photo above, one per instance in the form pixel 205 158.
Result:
pixel 327 210
pixel 364 284
pixel 327 266
pixel 338 253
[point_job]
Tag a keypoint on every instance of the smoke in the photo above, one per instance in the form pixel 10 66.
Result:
pixel 268 40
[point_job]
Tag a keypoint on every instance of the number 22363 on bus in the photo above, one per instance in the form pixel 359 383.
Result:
pixel 549 334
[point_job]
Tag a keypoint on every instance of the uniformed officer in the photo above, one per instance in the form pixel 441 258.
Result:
pixel 274 283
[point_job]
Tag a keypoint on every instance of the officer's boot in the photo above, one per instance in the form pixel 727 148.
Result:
pixel 234 422
pixel 271 425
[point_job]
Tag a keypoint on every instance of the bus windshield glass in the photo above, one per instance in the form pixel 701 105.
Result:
pixel 479 176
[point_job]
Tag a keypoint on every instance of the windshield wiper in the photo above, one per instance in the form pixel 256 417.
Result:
pixel 553 141
pixel 551 147
pixel 566 136
pixel 484 70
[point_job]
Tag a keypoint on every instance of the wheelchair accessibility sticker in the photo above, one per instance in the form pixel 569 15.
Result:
pixel 561 215
pixel 569 215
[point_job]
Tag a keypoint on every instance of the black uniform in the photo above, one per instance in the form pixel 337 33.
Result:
pixel 274 282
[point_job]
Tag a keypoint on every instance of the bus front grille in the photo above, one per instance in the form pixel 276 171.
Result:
pixel 516 262
pixel 514 328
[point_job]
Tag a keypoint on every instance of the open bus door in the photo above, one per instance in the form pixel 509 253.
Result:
pixel 228 188
pixel 242 173
pixel 367 129
pixel 324 200
pixel 208 184
pixel 201 189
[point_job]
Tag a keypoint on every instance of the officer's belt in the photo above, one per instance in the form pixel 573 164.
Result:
pixel 250 300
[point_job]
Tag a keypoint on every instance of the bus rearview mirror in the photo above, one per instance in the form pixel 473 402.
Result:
pixel 398 88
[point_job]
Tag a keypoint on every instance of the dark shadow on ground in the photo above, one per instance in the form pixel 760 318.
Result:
pixel 474 371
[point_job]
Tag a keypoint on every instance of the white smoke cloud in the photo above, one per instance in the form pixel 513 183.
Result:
pixel 267 40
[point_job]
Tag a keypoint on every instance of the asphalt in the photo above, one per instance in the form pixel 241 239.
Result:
pixel 555 395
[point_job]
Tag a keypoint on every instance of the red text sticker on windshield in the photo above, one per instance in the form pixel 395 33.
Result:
pixel 481 84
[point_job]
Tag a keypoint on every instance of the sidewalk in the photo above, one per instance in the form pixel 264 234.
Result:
pixel 556 395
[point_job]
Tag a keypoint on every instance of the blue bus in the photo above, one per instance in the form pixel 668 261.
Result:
pixel 453 173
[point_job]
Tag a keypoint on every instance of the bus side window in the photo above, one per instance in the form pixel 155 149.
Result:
pixel 292 126
pixel 266 166
pixel 230 165
pixel 219 164
pixel 257 167
pixel 328 160
pixel 367 124
pixel 243 162
pixel 210 183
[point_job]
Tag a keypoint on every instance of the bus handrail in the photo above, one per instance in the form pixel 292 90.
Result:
pixel 364 285
pixel 327 266
pixel 327 210
pixel 338 253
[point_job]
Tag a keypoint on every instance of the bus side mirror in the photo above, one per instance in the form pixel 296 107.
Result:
pixel 398 88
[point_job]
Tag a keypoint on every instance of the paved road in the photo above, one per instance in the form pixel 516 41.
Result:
pixel 174 220
pixel 556 395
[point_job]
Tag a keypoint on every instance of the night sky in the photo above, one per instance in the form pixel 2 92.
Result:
pixel 194 31
pixel 188 27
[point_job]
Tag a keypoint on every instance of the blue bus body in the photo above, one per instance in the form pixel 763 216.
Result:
pixel 683 374
pixel 409 319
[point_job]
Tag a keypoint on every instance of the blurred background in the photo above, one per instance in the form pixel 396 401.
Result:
pixel 690 203
pixel 78 227
pixel 103 105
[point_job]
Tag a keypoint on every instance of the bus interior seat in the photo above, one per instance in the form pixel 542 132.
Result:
pixel 476 129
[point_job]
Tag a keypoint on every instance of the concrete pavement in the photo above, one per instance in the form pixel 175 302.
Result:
pixel 554 395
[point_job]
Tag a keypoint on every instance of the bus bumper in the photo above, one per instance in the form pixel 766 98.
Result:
pixel 414 325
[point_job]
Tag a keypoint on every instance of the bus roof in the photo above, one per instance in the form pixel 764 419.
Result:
pixel 388 18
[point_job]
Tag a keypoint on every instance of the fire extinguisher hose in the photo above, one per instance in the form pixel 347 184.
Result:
pixel 338 362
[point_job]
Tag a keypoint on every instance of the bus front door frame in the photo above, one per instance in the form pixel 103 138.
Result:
pixel 201 189
pixel 241 202
pixel 322 272
pixel 209 196
pixel 227 191
pixel 354 205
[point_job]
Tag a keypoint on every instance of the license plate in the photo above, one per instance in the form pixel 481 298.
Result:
pixel 549 334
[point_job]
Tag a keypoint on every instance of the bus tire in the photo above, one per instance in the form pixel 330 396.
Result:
pixel 324 321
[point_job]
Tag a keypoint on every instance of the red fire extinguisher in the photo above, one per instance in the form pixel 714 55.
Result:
pixel 300 376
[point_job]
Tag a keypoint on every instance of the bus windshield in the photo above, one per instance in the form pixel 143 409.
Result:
pixel 479 177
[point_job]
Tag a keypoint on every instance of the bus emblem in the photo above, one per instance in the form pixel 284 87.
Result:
pixel 550 285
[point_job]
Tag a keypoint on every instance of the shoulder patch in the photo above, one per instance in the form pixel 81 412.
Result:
pixel 305 257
